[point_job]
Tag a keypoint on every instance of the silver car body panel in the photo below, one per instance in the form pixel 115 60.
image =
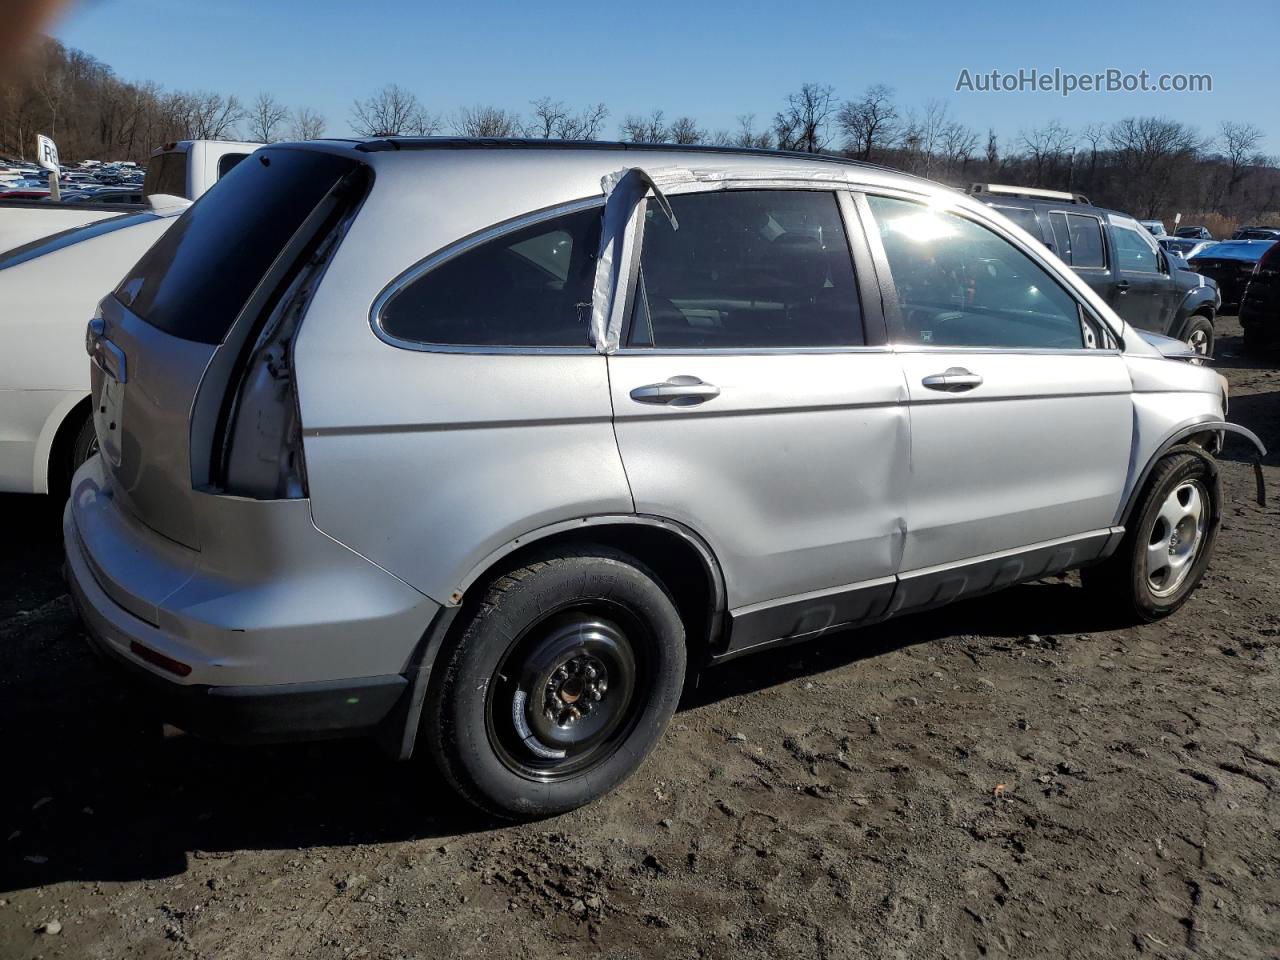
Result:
pixel 1029 455
pixel 796 474
pixel 268 600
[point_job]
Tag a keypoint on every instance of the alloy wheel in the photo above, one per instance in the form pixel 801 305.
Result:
pixel 1176 537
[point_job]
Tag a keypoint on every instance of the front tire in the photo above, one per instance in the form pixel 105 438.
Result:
pixel 1169 543
pixel 1199 335
pixel 558 686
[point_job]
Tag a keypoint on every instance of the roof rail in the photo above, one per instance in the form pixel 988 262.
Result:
pixel 1031 193
pixel 380 144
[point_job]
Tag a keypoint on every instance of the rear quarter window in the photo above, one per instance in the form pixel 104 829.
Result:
pixel 529 287
pixel 194 282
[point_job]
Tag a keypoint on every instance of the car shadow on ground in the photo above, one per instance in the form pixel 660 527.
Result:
pixel 99 790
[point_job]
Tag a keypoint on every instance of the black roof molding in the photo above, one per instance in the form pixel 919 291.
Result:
pixel 384 144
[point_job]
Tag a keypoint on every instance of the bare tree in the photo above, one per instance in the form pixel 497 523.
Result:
pixel 1151 152
pixel 211 116
pixel 423 123
pixel 870 123
pixel 650 129
pixel 802 124
pixel 747 135
pixel 685 130
pixel 958 146
pixel 552 119
pixel 307 124
pixel 1239 143
pixel 1093 134
pixel 586 124
pixel 993 151
pixel 548 116
pixel 387 113
pixel 1045 146
pixel 482 121
pixel 266 116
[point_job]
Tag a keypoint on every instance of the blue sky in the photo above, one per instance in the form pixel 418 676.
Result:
pixel 710 60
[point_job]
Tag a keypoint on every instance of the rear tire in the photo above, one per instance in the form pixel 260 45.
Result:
pixel 558 686
pixel 1199 335
pixel 83 445
pixel 1168 544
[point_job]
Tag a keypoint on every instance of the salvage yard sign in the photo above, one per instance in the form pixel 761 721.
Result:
pixel 47 157
pixel 46 153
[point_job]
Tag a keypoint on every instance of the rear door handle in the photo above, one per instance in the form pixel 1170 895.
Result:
pixel 954 380
pixel 681 391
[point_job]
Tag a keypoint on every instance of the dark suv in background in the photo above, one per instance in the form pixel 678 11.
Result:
pixel 1118 258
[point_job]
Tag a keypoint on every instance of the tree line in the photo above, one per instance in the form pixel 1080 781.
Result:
pixel 91 113
pixel 1148 166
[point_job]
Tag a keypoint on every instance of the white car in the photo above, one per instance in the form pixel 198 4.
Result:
pixel 48 289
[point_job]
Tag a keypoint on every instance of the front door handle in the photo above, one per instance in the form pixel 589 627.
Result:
pixel 955 380
pixel 681 391
pixel 1122 286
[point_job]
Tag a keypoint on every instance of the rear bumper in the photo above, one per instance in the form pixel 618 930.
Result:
pixel 284 652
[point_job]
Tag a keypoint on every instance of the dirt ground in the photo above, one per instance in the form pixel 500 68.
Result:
pixel 842 799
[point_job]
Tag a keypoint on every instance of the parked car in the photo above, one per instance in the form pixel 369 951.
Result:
pixel 1260 303
pixel 130 196
pixel 1117 258
pixel 1231 264
pixel 479 446
pixel 185 169
pixel 1193 233
pixel 1183 248
pixel 1155 227
pixel 47 288
pixel 1257 233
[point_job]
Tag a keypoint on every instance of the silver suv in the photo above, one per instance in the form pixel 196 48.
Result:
pixel 476 447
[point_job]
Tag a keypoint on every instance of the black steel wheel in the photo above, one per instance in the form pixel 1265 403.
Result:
pixel 557 685
pixel 564 696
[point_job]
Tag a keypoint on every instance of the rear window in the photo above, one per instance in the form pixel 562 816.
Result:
pixel 167 174
pixel 198 276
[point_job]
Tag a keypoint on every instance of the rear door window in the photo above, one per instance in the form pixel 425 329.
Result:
pixel 529 287
pixel 750 268
pixel 195 280
pixel 1079 239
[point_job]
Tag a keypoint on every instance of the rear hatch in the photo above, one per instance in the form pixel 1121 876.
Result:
pixel 171 343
